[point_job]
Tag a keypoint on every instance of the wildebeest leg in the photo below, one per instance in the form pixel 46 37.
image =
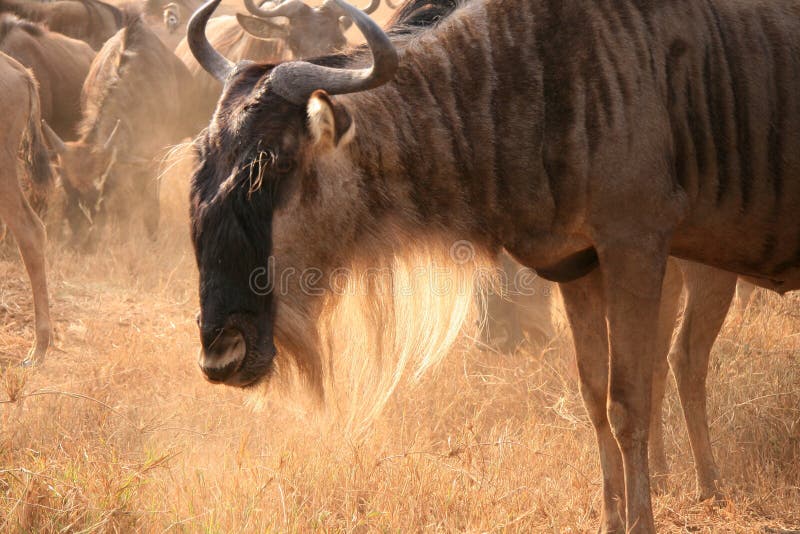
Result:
pixel 29 232
pixel 708 296
pixel 670 299
pixel 584 304
pixel 633 272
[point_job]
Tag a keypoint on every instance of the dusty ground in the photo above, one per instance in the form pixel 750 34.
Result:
pixel 118 431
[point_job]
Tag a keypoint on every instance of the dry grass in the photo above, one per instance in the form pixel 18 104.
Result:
pixel 117 431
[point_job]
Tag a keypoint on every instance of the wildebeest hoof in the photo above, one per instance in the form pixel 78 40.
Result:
pixel 31 361
pixel 712 495
pixel 35 357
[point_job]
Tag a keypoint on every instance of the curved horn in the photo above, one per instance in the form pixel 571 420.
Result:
pixel 296 80
pixel 212 61
pixel 53 139
pixel 373 5
pixel 112 135
pixel 391 4
pixel 287 8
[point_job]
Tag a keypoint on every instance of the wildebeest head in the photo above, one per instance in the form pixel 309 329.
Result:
pixel 83 166
pixel 310 31
pixel 90 171
pixel 277 131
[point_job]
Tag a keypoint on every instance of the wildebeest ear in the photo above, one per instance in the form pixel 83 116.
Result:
pixel 329 121
pixel 345 23
pixel 260 28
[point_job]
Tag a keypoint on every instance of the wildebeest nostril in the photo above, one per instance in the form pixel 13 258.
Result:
pixel 197 320
pixel 223 354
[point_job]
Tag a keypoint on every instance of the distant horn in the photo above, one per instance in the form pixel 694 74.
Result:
pixel 110 140
pixel 391 4
pixel 53 139
pixel 212 61
pixel 287 8
pixel 373 5
pixel 296 80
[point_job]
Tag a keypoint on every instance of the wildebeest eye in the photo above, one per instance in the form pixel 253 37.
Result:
pixel 283 165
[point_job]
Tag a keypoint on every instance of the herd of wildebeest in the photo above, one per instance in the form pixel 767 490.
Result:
pixel 594 141
pixel 113 98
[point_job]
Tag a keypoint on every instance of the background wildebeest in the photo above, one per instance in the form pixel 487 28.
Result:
pixel 227 34
pixel 168 19
pixel 182 9
pixel 519 309
pixel 649 129
pixel 92 21
pixel 137 100
pixel 22 134
pixel 59 63
pixel 308 32
pixel 311 31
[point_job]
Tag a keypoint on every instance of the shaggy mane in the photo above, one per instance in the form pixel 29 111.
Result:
pixel 392 313
pixel 126 51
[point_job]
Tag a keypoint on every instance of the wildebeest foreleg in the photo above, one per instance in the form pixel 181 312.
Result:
pixel 29 232
pixel 633 271
pixel 708 296
pixel 585 308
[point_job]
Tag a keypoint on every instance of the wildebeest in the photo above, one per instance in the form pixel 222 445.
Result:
pixel 92 21
pixel 648 129
pixel 21 134
pixel 59 63
pixel 136 101
pixel 311 31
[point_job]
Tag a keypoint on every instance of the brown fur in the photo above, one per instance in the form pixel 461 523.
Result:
pixel 91 21
pixel 59 63
pixel 134 80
